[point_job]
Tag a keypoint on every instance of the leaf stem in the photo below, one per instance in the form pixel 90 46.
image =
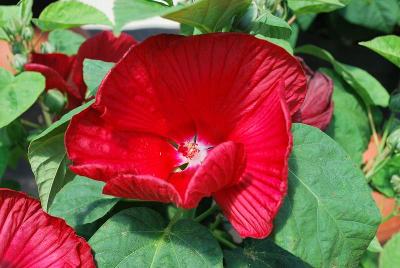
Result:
pixel 292 20
pixel 373 128
pixel 206 213
pixel 222 240
pixel 46 115
pixel 386 132
pixel 30 124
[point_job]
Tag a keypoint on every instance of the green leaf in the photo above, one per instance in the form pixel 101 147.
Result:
pixel 69 14
pixel 367 87
pixel 381 15
pixel 139 237
pixel 280 42
pixel 48 158
pixel 306 20
pixel 8 13
pixel 381 179
pixel 375 246
pixel 261 254
pixel 94 72
pixel 314 6
pixel 65 41
pixel 328 218
pixel 390 256
pixel 81 201
pixel 210 15
pixel 387 46
pixel 26 11
pixel 126 11
pixel 4 154
pixel 349 125
pixel 18 93
pixel 271 26
pixel 10 184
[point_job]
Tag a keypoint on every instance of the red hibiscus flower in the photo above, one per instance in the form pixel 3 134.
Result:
pixel 65 73
pixel 29 237
pixel 182 118
pixel 317 109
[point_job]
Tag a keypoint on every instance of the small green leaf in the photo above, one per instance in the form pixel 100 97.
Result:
pixel 261 254
pixel 381 15
pixel 375 246
pixel 387 46
pixel 48 158
pixel 126 11
pixel 390 256
pixel 271 26
pixel 94 72
pixel 139 237
pixel 367 87
pixel 81 201
pixel 328 218
pixel 381 179
pixel 65 41
pixel 280 42
pixel 18 93
pixel 349 125
pixel 210 15
pixel 7 14
pixel 69 14
pixel 314 6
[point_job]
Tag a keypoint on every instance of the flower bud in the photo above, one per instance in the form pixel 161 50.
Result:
pixel 19 60
pixel 55 100
pixel 393 141
pixel 317 108
pixel 47 48
pixel 395 181
pixel 27 33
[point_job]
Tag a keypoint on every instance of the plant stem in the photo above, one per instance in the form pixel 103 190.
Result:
pixel 292 20
pixel 178 214
pixel 373 128
pixel 206 213
pixel 30 124
pixel 223 240
pixel 386 132
pixel 46 115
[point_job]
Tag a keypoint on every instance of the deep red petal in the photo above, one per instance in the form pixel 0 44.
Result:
pixel 54 80
pixel 252 204
pixel 60 63
pixel 32 238
pixel 101 152
pixel 103 46
pixel 142 187
pixel 211 80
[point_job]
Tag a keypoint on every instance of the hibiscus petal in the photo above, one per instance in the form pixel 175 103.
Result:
pixel 212 79
pixel 252 204
pixel 223 167
pixel 103 46
pixel 101 152
pixel 32 238
pixel 147 188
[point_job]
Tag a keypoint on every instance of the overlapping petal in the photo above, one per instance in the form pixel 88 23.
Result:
pixel 32 238
pixel 252 204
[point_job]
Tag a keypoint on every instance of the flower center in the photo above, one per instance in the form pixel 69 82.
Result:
pixel 192 153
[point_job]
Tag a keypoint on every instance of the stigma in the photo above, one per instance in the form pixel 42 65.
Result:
pixel 192 153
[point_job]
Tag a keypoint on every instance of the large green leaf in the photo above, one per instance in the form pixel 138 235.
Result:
pixel 366 86
pixel 18 93
pixel 81 201
pixel 349 126
pixel 139 237
pixel 261 254
pixel 328 218
pixel 390 256
pixel 381 15
pixel 69 14
pixel 65 41
pixel 210 15
pixel 7 14
pixel 314 6
pixel 269 25
pixel 93 72
pixel 387 46
pixel 48 158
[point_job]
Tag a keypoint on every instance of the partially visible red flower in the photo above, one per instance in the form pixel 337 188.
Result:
pixel 29 237
pixel 65 73
pixel 182 118
pixel 317 109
